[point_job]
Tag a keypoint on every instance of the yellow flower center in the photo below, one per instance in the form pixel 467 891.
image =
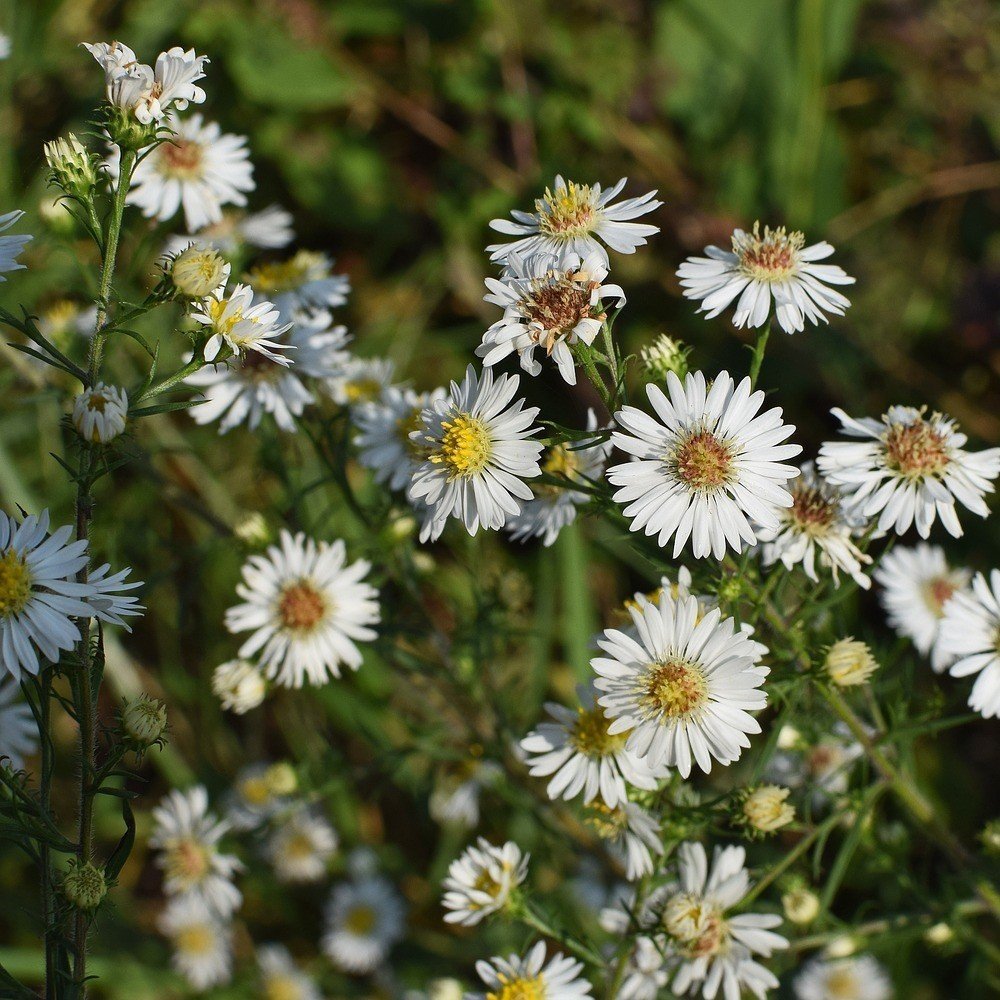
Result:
pixel 282 988
pixel 703 462
pixel 771 257
pixel 197 939
pixel 188 861
pixel 608 823
pixel 406 426
pixel 15 584
pixel 466 446
pixel 222 323
pixel 519 989
pixel 361 920
pixel 590 734
pixel 287 275
pixel 301 606
pixel 916 450
pixel 842 984
pixel 674 690
pixel 181 159
pixel 567 211
pixel 811 512
pixel 299 847
pixel 256 791
pixel 362 390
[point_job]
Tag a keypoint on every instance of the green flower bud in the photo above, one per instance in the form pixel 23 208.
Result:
pixel 73 168
pixel 144 721
pixel 84 886
pixel 665 355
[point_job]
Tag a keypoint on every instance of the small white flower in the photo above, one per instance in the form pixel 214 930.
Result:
pixel 549 305
pixel 269 229
pixel 481 881
pixel 572 218
pixel 10 246
pixel 202 942
pixel 706 467
pixel 776 264
pixel 234 319
pixel 970 635
pixel 856 978
pixel 646 973
pixel 281 978
pixel 583 758
pixel 187 836
pixel 249 387
pixel 303 282
pixel 632 833
pixel 239 685
pixel 364 919
pixel 455 798
pixel 681 688
pixel 18 732
pixel 200 169
pixel 478 454
pixel 361 381
pixel 99 413
pixel 307 608
pixel 909 469
pixel 517 978
pixel 916 585
pixel 300 846
pixel 259 792
pixel 824 764
pixel 819 527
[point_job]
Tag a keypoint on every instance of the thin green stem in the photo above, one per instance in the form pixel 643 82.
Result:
pixel 758 353
pixel 536 921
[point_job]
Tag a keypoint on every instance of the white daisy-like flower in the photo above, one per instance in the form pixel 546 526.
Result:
pixel 970 636
pixel 268 229
pixel 200 169
pixel 18 732
pixel 307 608
pixel 857 977
pixel 478 454
pixel 239 685
pixel 711 948
pixel 281 978
pixel 909 469
pixel 556 977
pixel 384 428
pixel 236 320
pixel 631 832
pixel 304 281
pixel 818 528
pixel 99 413
pixel 824 764
pixel 682 687
pixel 646 973
pixel 10 246
pixel 553 507
pixel 455 798
pixel 583 758
pixel 778 264
pixel 247 388
pixel 300 846
pixel 549 305
pixel 574 218
pixel 259 792
pixel 481 881
pixel 364 919
pixel 705 467
pixel 39 593
pixel 361 381
pixel 916 585
pixel 202 942
pixel 187 838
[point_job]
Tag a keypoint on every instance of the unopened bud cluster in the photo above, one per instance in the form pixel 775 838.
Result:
pixel 73 168
pixel 84 886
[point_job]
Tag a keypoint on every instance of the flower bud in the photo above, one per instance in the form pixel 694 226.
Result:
pixel 801 906
pixel 144 720
pixel 841 947
pixel 253 530
pixel 281 779
pixel 766 810
pixel 939 933
pixel 72 166
pixel 989 837
pixel 198 271
pixel 84 886
pixel 99 413
pixel 444 989
pixel 850 663
pixel 664 355
pixel 239 685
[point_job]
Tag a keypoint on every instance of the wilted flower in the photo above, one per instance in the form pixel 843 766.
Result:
pixel 766 810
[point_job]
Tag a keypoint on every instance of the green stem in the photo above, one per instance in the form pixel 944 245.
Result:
pixel 536 921
pixel 758 353
pixel 45 797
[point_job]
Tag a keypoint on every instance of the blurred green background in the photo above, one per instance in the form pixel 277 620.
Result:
pixel 394 131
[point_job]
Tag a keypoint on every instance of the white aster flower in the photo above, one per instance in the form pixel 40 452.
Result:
pixel 99 413
pixel 202 942
pixel 236 320
pixel 517 978
pixel 909 469
pixel 259 792
pixel 970 635
pixel 18 732
pixel 187 838
pixel 857 977
pixel 307 608
pixel 706 467
pixel 384 428
pixel 481 881
pixel 269 229
pixel 239 685
pixel 300 846
pixel 777 264
pixel 646 973
pixel 10 246
pixel 304 281
pixel 916 585
pixel 281 978
pixel 361 381
pixel 550 305
pixel 200 169
pixel 39 593
pixel 478 454
pixel 364 919
pixel 247 388
pixel 583 758
pixel 818 528
pixel 554 507
pixel 632 833
pixel 824 764
pixel 455 798
pixel 681 688
pixel 712 948
pixel 572 218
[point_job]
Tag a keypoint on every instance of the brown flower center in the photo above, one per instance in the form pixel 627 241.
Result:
pixel 182 159
pixel 771 257
pixel 301 606
pixel 811 511
pixel 916 450
pixel 556 307
pixel 703 462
